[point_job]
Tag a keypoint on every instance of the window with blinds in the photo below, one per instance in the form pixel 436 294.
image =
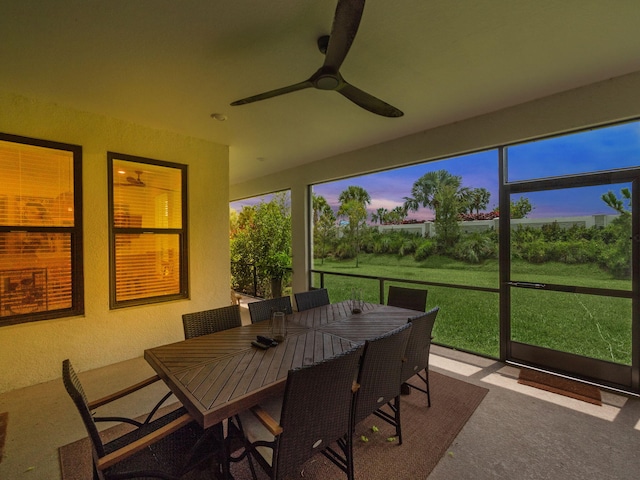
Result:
pixel 147 209
pixel 40 230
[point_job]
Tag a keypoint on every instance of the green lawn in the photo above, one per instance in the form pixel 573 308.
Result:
pixel 594 326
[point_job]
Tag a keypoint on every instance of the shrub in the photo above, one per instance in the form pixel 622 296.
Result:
pixel 534 251
pixel 426 248
pixel 552 232
pixel 568 251
pixel 476 247
pixel 345 250
pixel 617 261
pixel 616 254
pixel 409 246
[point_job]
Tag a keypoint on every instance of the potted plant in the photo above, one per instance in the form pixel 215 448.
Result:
pixel 275 268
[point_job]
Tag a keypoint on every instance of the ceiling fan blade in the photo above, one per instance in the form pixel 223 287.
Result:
pixel 345 25
pixel 274 93
pixel 367 101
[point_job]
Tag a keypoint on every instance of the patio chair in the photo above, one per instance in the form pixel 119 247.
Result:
pixel 417 353
pixel 211 321
pixel 167 447
pixel 411 298
pixel 379 378
pixel 312 299
pixel 263 309
pixel 286 431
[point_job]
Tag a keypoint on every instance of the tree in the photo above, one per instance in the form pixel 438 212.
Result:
pixel 324 226
pixel 354 192
pixel 617 256
pixel 518 209
pixel 521 208
pixel 449 204
pixel 477 199
pixel 393 217
pixel 442 192
pixel 263 238
pixel 353 202
pixel 379 216
pixel 397 215
pixel 618 204
pixel 424 189
pixel 319 204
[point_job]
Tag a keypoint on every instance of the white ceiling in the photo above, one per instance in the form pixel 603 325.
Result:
pixel 170 64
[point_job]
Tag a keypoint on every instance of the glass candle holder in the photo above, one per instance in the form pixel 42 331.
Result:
pixel 278 326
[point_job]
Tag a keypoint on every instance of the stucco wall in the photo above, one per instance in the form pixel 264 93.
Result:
pixel 32 353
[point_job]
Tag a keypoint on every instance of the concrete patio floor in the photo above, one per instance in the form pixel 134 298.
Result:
pixel 518 432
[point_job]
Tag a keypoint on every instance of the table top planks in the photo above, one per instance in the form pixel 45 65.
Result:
pixel 219 375
pixel 371 323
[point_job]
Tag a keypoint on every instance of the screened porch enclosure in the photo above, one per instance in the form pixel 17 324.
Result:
pixel 552 285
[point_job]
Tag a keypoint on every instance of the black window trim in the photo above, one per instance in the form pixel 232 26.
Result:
pixel 76 232
pixel 182 234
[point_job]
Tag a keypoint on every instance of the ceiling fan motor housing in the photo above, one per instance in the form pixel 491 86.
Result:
pixel 326 81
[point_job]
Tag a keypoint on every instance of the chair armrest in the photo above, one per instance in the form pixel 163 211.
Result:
pixel 122 393
pixel 142 443
pixel 267 420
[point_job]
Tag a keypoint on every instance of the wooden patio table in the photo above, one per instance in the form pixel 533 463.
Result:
pixel 220 375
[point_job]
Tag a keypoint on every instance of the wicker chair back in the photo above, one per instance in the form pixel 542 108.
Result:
pixel 210 321
pixel 314 416
pixel 262 310
pixel 312 299
pixel 380 370
pixel 411 298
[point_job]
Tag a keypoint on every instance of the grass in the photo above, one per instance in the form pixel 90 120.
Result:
pixel 588 325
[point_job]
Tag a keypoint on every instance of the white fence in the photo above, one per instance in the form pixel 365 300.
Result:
pixel 428 229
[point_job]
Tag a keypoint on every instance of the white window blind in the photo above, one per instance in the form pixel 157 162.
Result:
pixel 37 221
pixel 148 247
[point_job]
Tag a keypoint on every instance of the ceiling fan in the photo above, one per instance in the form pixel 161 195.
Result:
pixel 138 182
pixel 335 47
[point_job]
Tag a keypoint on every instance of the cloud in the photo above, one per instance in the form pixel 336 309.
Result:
pixel 387 203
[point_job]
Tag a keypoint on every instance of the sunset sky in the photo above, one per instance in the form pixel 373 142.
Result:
pixel 597 150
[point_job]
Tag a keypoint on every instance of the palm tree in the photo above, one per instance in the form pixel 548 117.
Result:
pixel 425 189
pixel 442 192
pixel 379 216
pixel 353 192
pixel 397 215
pixel 324 224
pixel 353 205
pixel 477 199
pixel 616 203
pixel 319 204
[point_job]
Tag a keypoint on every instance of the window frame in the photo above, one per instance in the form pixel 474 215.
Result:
pixel 75 232
pixel 182 233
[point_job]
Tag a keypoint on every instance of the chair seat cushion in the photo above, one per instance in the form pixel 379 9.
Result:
pixel 255 431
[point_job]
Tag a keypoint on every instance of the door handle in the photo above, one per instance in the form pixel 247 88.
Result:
pixel 527 285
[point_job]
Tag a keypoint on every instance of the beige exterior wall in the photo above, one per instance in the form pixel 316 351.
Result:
pixel 597 104
pixel 31 353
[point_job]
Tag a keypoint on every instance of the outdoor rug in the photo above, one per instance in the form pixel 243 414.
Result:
pixel 427 434
pixel 559 385
pixel 4 417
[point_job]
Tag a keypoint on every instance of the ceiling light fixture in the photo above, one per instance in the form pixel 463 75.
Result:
pixel 221 117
